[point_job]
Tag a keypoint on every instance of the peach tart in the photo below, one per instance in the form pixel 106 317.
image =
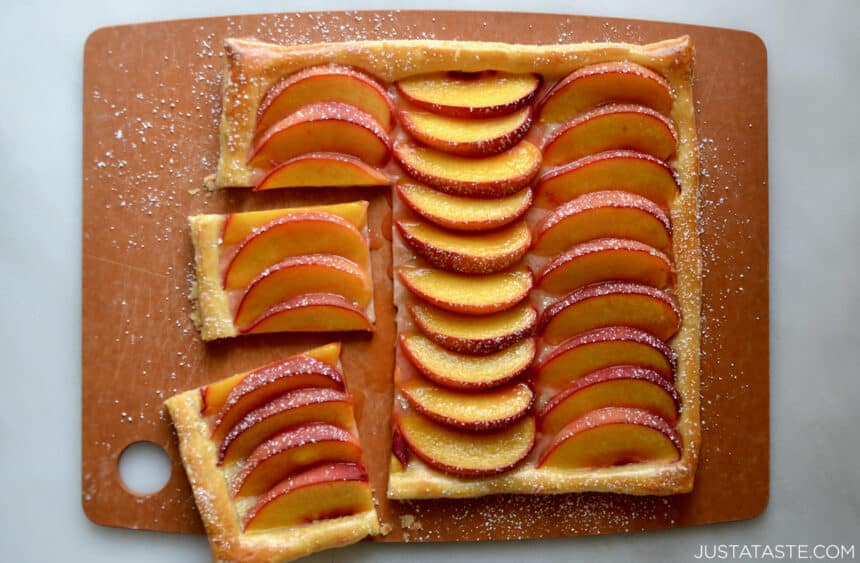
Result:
pixel 545 262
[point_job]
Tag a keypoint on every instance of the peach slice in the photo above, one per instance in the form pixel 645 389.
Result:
pixel 464 213
pixel 312 312
pixel 472 295
pixel 399 448
pixel 292 450
pixel 463 372
pixel 478 253
pixel 262 385
pixel 300 275
pixel 475 335
pixel 616 386
pixel 601 348
pixel 629 171
pixel 239 226
pixel 328 83
pixel 616 126
pixel 320 493
pixel 494 176
pixel 322 169
pixel 300 406
pixel 467 453
pixel 603 260
pixel 597 215
pixel 473 94
pixel 215 394
pixel 597 84
pixel 465 136
pixel 300 232
pixel 324 127
pixel 613 436
pixel 611 304
pixel 488 410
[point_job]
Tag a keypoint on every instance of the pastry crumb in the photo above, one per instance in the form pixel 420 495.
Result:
pixel 409 522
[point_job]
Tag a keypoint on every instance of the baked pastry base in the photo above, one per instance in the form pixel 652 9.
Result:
pixel 219 513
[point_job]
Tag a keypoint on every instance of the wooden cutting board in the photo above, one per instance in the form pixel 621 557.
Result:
pixel 151 108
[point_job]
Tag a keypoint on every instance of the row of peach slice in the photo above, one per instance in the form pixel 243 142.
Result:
pixel 605 242
pixel 326 125
pixel 470 409
pixel 301 269
pixel 286 434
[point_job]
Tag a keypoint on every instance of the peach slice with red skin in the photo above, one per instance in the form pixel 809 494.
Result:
pixel 300 406
pixel 596 215
pixel 328 83
pixel 494 176
pixel 601 348
pixel 466 136
pixel 473 94
pixel 612 127
pixel 628 171
pixel 467 253
pixel 319 493
pixel 464 372
pixel 467 294
pixel 467 453
pixel 300 275
pixel 616 386
pixel 603 260
pixel 214 395
pixel 399 448
pixel 488 410
pixel 294 234
pixel 464 213
pixel 321 169
pixel 469 334
pixel 292 450
pixel 239 226
pixel 598 84
pixel 613 436
pixel 264 384
pixel 611 304
pixel 323 127
pixel 312 312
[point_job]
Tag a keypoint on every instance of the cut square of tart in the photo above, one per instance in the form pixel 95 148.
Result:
pixel 274 459
pixel 546 260
pixel 302 269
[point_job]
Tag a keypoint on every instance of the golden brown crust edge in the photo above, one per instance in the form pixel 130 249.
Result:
pixel 254 66
pixel 420 481
pixel 219 515
pixel 212 310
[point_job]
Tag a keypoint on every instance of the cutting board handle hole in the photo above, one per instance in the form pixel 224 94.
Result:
pixel 144 467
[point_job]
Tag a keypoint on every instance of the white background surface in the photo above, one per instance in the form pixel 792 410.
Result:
pixel 814 61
